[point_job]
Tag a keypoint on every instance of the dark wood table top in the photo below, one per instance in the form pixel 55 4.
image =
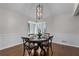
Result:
pixel 36 40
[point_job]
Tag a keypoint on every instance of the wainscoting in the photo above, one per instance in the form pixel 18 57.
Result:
pixel 58 50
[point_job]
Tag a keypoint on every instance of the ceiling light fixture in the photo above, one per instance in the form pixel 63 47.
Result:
pixel 39 12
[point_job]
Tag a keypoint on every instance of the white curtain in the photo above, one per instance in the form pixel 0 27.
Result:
pixel 33 27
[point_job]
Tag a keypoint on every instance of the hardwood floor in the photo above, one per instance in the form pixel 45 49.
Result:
pixel 62 50
pixel 58 50
pixel 13 51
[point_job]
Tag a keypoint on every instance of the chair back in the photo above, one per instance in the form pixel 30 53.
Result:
pixel 50 39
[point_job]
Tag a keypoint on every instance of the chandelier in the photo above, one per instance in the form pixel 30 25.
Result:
pixel 39 11
pixel 37 26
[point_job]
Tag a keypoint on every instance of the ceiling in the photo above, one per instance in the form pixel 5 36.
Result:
pixel 49 9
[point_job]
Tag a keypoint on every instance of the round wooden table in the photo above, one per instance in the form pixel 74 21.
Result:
pixel 38 43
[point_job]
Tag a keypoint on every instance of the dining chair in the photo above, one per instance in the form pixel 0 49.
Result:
pixel 27 45
pixel 48 44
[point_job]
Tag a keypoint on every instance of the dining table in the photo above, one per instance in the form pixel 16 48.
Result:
pixel 39 45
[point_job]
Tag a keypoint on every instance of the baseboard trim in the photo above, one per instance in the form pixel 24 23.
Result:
pixel 11 46
pixel 66 44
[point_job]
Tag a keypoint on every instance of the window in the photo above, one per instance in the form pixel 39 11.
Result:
pixel 35 27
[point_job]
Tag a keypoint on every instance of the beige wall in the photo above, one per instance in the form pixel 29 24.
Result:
pixel 12 22
pixel 65 29
pixel 63 24
pixel 13 25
